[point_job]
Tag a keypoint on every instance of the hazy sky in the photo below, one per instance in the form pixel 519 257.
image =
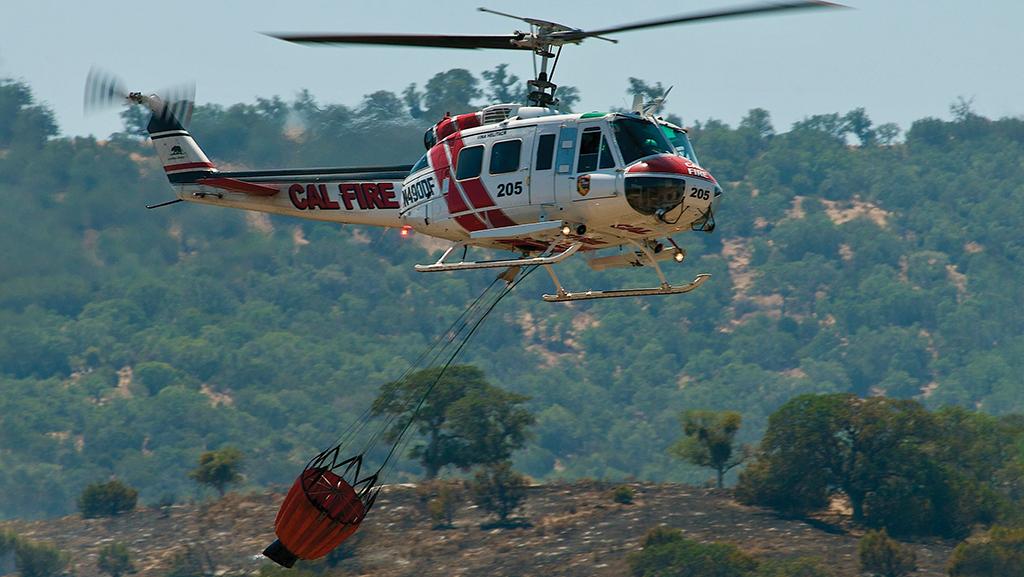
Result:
pixel 900 59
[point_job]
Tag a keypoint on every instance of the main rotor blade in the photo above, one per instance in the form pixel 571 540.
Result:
pixel 709 15
pixel 465 41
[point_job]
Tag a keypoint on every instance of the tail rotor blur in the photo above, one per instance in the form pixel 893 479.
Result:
pixel 104 90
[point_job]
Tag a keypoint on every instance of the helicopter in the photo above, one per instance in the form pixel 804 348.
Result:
pixel 512 177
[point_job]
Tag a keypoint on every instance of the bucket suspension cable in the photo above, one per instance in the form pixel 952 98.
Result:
pixel 402 441
pixel 428 354
pixel 332 495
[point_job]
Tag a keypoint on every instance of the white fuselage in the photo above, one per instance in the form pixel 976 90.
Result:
pixel 541 167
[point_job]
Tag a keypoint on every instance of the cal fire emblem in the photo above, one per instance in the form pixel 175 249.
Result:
pixel 583 184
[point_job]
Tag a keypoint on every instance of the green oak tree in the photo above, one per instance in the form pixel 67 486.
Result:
pixel 710 441
pixel 464 420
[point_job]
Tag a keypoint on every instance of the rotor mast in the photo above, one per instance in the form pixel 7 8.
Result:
pixel 544 40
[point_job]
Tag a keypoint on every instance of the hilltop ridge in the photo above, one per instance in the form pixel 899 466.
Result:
pixel 573 530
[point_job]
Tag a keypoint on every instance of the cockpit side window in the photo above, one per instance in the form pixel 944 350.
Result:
pixel 594 151
pixel 590 147
pixel 607 159
pixel 420 165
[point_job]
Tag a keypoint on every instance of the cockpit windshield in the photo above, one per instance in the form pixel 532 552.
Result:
pixel 639 138
pixel 678 138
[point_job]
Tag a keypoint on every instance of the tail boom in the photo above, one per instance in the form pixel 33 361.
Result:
pixel 367 196
pixel 352 196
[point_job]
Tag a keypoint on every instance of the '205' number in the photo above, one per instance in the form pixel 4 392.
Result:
pixel 510 188
pixel 699 193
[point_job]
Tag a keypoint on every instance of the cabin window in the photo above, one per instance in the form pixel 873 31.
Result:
pixel 471 160
pixel 505 156
pixel 545 150
pixel 594 152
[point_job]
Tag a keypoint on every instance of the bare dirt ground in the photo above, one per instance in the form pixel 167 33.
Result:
pixel 574 530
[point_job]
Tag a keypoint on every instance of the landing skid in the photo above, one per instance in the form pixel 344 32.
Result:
pixel 563 295
pixel 549 258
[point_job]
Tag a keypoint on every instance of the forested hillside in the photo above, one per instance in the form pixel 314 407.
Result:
pixel 846 259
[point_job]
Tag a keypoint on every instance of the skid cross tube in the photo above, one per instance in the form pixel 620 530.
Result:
pixel 441 266
pixel 666 288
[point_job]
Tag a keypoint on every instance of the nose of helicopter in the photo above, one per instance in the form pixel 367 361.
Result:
pixel 670 164
pixel 658 184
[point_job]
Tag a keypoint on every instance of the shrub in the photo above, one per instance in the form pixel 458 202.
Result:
pixel 115 560
pixel 882 556
pixel 8 542
pixel 442 506
pixel 107 499
pixel 667 553
pixel 191 562
pixel 623 494
pixel 165 503
pixel 499 490
pixel 999 552
pixel 219 469
pixel 39 559
pixel 800 567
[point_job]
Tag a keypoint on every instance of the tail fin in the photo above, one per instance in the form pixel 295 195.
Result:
pixel 181 157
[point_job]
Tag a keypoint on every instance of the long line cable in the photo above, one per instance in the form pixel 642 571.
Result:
pixel 430 358
pixel 448 363
pixel 360 423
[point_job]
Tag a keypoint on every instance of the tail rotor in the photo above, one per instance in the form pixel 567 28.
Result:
pixel 104 90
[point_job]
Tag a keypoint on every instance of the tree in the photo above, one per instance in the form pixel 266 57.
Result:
pixel 816 445
pixel 155 375
pixel 710 441
pixel 219 469
pixel 645 89
pixel 107 499
pixel 382 106
pixel 22 122
pixel 452 91
pixel 759 122
pixel 881 556
pixel 901 467
pixel 502 86
pixel 115 560
pixel 465 420
pixel 568 97
pixel 859 124
pixel 499 489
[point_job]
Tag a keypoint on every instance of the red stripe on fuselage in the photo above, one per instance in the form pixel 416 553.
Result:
pixel 470 222
pixel 464 121
pixel 452 198
pixel 187 165
pixel 476 192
